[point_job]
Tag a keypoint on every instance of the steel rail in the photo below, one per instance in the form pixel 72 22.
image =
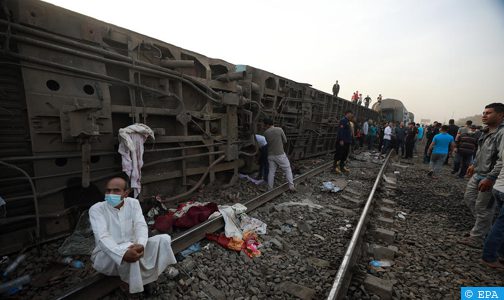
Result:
pixel 340 285
pixel 100 285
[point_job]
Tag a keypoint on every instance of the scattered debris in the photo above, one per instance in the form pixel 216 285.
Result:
pixel 328 186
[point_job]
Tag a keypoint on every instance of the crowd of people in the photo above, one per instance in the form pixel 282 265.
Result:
pixel 477 153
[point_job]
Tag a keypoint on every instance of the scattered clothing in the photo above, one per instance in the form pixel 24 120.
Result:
pixel 131 148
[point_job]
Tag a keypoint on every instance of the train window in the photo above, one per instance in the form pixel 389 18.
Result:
pixel 53 85
pixel 88 89
pixel 61 161
pixel 95 159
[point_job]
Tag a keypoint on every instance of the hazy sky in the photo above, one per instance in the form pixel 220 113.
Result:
pixel 441 58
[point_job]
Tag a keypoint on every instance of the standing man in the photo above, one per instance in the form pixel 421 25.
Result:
pixel 359 101
pixel 431 133
pixel 400 133
pixel 275 137
pixel 467 144
pixel 367 100
pixel 387 138
pixel 452 130
pixel 379 99
pixel 420 134
pixel 263 157
pixel 373 132
pixel 364 133
pixel 409 140
pixel 335 89
pixel 343 142
pixel 493 249
pixel 484 170
pixel 463 129
pixel 442 145
pixel 123 247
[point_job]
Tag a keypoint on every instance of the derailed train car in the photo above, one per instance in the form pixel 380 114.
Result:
pixel 393 110
pixel 68 83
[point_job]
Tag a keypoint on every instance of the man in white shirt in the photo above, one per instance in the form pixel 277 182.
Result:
pixel 387 138
pixel 123 247
pixel 365 130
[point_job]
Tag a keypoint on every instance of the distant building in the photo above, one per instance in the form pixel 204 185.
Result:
pixel 425 121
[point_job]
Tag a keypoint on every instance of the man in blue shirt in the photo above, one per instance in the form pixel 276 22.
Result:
pixel 343 142
pixel 442 145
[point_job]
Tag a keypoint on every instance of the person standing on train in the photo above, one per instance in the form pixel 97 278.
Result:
pixel 359 100
pixel 335 89
pixel 275 137
pixel 367 100
pixel 343 142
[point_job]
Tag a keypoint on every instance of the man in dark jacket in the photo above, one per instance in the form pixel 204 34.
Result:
pixel 343 142
pixel 335 89
pixel 431 132
pixel 411 134
pixel 400 134
pixel 452 130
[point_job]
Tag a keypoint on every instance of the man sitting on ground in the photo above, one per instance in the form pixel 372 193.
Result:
pixel 123 247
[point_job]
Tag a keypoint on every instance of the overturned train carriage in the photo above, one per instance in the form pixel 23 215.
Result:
pixel 68 83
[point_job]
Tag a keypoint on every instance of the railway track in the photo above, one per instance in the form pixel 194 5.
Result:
pixel 99 285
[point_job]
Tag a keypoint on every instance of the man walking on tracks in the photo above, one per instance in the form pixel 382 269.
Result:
pixel 484 171
pixel 343 142
pixel 442 146
pixel 275 137
pixel 123 247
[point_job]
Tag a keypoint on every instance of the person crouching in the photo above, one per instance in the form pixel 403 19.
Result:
pixel 123 247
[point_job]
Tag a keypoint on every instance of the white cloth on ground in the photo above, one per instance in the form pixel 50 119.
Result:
pixel 283 162
pixel 131 148
pixel 117 229
pixel 230 216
